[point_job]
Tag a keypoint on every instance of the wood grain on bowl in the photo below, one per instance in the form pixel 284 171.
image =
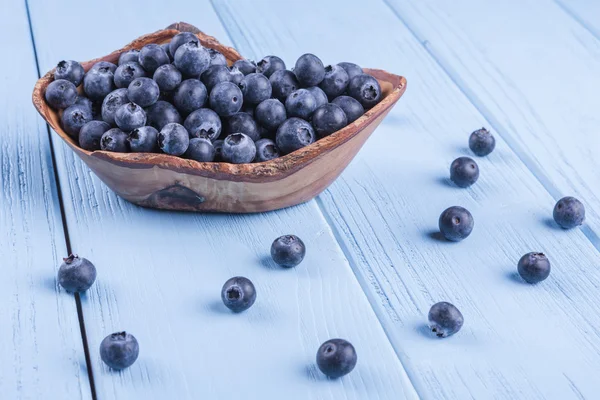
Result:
pixel 168 182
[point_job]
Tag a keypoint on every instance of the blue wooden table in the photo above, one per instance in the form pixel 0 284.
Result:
pixel 527 69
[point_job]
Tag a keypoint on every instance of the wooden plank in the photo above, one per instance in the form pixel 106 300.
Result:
pixel 40 341
pixel 586 12
pixel 160 273
pixel 519 341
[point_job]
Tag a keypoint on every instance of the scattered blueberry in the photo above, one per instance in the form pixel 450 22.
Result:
pixel 319 95
pixel 153 56
pixel 336 358
pixel 203 123
pixel 218 145
pixel 482 142
pixel 90 134
pixel 130 116
pixel 226 99
pixel 167 77
pixel 270 114
pixel 74 117
pixel 173 139
pixel 114 140
pixel 288 250
pixel 242 123
pixel 534 267
pixel 132 55
pixel 238 148
pixel 119 350
pixel 104 65
pixel 111 104
pixel 71 71
pixel 181 38
pixel 294 134
pixel 255 88
pixel 464 172
pixel 365 89
pixel 238 294
pixel 143 140
pixel 352 108
pixel 245 66
pixel 143 91
pixel 300 103
pixel 335 81
pixel 351 69
pixel 200 149
pixel 190 96
pixel 61 94
pixel 309 70
pixel 192 59
pixel 126 73
pixel 445 319
pixel 97 83
pixel 328 118
pixel 569 212
pixel 162 113
pixel 214 75
pixel 216 58
pixel 266 150
pixel 269 64
pixel 76 274
pixel 456 223
pixel 283 82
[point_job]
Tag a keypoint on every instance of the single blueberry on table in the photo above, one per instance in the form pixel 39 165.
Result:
pixel 270 114
pixel 309 70
pixel 143 91
pixel 365 89
pixel 200 149
pixel 162 113
pixel 464 172
pixel 482 142
pixel 456 223
pixel 74 117
pixel 153 56
pixel 218 145
pixel 445 319
pixel 143 140
pixel 283 82
pixel 235 75
pixel 238 148
pixel 104 64
pixel 216 57
pixel 173 139
pixel 119 350
pixel 61 94
pixel 192 59
pixel 336 358
pixel 71 71
pixel 245 66
pixel 242 123
pixel 352 108
pixel 190 96
pixel 319 95
pixel 288 250
pixel 238 294
pixel 130 116
pixel 255 88
pixel 126 73
pixel 167 77
pixel 114 140
pixel 534 267
pixel 132 55
pixel 214 75
pixel 351 69
pixel 203 122
pixel 266 150
pixel 91 133
pixel 335 81
pixel 97 83
pixel 327 119
pixel 76 274
pixel 294 134
pixel 569 212
pixel 111 104
pixel 300 103
pixel 181 38
pixel 269 64
pixel 226 99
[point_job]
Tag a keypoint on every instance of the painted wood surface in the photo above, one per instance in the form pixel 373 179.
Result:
pixel 40 342
pixel 586 12
pixel 519 341
pixel 160 273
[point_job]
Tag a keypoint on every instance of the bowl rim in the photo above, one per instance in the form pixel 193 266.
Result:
pixel 250 172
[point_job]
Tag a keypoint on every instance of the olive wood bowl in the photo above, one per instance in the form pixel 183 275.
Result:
pixel 173 183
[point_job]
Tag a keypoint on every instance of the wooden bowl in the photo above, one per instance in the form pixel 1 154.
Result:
pixel 168 182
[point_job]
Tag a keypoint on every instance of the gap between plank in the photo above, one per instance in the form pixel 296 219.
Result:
pixel 578 19
pixel 64 223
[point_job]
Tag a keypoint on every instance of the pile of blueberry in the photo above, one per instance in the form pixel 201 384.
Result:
pixel 182 99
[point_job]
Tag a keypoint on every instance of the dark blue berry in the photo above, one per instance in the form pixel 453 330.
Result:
pixel 111 104
pixel 534 267
pixel 456 223
pixel 464 172
pixel 74 117
pixel 248 109
pixel 84 101
pixel 218 145
pixel 162 113
pixel 270 114
pixel 90 134
pixel 335 81
pixel 61 94
pixel 226 99
pixel 214 75
pixel 569 212
pixel 365 89
pixel 143 92
pixel 126 73
pixel 173 139
pixel 97 83
pixel 255 88
pixel 238 294
pixel 352 108
pixel 130 116
pixel 71 71
pixel 482 142
pixel 76 274
pixel 119 350
pixel 165 47
pixel 245 66
pixel 216 57
pixel 238 148
pixel 327 119
pixel 266 150
pixel 181 38
pixel 190 96
pixel 167 77
pixel 300 103
pixel 445 319
pixel 105 65
pixel 235 75
pixel 288 250
pixel 143 140
pixel 153 56
pixel 192 59
pixel 283 83
pixel 132 55
pixel 294 134
pixel 200 149
pixel 319 95
pixel 269 64
pixel 242 123
pixel 114 140
pixel 351 69
pixel 336 358
pixel 203 123
pixel 309 70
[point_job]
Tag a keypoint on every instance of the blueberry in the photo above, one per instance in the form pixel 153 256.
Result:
pixel 226 99
pixel 126 73
pixel 245 66
pixel 143 92
pixel 569 212
pixel 309 70
pixel 84 101
pixel 167 77
pixel 200 149
pixel 534 267
pixel 300 103
pixel 114 140
pixel 119 350
pixel 294 134
pixel 464 172
pixel 270 114
pixel 456 223
pixel 173 139
pixel 218 145
pixel 365 89
pixel 181 38
pixel 76 274
pixel 445 319
pixel 482 142
pixel 97 83
pixel 71 71
pixel 189 96
pixel 242 123
pixel 335 81
pixel 328 118
pixel 111 104
pixel 238 294
pixel 248 109
pixel 152 56
pixel 319 95
pixel 132 55
pixel 130 116
pixel 269 64
pixel 351 69
pixel 192 59
pixel 336 358
pixel 288 251
pixel 90 134
pixel 266 150
pixel 216 57
pixel 235 75
pixel 143 140
pixel 73 118
pixel 255 88
pixel 238 148
pixel 165 47
pixel 203 123
pixel 162 113
pixel 104 65
pixel 214 75
pixel 61 94
pixel 283 83
pixel 352 108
